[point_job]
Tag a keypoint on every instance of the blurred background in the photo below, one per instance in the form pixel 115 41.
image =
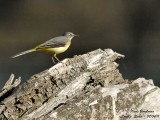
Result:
pixel 131 28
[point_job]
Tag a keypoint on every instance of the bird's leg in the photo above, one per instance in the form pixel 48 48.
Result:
pixel 53 60
pixel 56 58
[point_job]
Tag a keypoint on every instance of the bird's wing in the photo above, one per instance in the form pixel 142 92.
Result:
pixel 54 42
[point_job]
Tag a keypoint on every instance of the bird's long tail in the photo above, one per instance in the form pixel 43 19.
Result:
pixel 22 53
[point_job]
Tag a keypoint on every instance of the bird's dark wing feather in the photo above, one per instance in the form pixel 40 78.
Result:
pixel 54 42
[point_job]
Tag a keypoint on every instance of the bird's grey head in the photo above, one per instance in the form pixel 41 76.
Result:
pixel 69 35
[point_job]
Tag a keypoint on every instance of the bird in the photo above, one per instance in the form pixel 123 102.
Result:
pixel 54 46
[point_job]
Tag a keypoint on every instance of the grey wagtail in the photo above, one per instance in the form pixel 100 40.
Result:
pixel 53 46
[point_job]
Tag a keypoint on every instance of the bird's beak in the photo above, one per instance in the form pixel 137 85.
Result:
pixel 76 35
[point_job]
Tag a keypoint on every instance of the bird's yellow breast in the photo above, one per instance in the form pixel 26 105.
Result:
pixel 58 50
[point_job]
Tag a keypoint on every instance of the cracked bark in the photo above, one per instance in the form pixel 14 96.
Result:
pixel 84 87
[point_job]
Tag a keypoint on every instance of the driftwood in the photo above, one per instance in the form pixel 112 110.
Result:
pixel 85 87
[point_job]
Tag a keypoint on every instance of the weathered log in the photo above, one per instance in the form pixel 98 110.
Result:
pixel 84 87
